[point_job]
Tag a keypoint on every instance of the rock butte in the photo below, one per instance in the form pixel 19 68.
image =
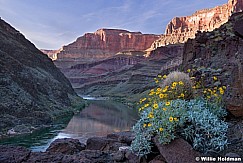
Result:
pixel 105 43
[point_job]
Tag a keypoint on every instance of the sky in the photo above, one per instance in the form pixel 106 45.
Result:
pixel 50 24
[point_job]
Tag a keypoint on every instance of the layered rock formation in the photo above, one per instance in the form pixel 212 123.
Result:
pixel 33 91
pixel 221 49
pixel 179 29
pixel 105 43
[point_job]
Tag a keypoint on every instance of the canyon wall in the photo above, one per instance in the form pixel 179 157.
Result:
pixel 33 92
pixel 179 29
pixel 105 43
pixel 221 49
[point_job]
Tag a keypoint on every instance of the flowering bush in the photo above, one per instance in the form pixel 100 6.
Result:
pixel 169 112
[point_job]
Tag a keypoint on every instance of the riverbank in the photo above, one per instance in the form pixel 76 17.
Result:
pixel 53 117
pixel 109 149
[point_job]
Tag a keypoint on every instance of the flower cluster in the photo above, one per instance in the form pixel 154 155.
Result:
pixel 173 109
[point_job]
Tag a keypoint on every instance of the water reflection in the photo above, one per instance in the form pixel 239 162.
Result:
pixel 98 119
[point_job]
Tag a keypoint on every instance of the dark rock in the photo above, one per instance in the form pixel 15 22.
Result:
pixel 101 143
pixel 44 157
pixel 132 158
pixel 238 27
pixel 97 156
pixel 177 151
pixel 158 159
pixel 123 137
pixel 118 156
pixel 232 155
pixel 13 154
pixel 66 146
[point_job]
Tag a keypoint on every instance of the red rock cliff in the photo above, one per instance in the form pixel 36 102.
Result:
pixel 179 29
pixel 105 43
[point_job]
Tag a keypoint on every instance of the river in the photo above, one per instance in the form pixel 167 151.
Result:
pixel 98 119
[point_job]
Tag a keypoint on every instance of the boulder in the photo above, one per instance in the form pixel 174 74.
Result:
pixel 177 151
pixel 13 154
pixel 124 137
pixel 66 146
pixel 103 144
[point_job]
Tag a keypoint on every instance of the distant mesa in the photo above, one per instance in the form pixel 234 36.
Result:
pixel 102 44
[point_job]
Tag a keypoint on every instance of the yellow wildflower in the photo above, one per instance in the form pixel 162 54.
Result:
pixel 182 95
pixel 161 95
pixel 161 129
pixel 146 105
pixel 150 115
pixel 151 93
pixel 171 119
pixel 175 119
pixel 167 103
pixel 144 125
pixel 215 78
pixel 174 84
pixel 224 87
pixel 164 76
pixel 181 83
pixel 155 106
pixel 221 92
pixel 164 109
pixel 149 124
pixel 159 76
pixel 188 70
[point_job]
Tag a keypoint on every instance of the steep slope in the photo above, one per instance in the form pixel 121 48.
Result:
pixel 221 49
pixel 33 91
pixel 179 29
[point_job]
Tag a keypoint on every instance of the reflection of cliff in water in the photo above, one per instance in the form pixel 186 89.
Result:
pixel 99 119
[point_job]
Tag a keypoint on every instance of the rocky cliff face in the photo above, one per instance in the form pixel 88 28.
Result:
pixel 32 90
pixel 105 43
pixel 221 49
pixel 179 29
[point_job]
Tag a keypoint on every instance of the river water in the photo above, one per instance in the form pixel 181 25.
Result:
pixel 98 119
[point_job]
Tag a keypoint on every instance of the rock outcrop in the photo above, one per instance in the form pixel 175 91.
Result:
pixel 105 43
pixel 180 29
pixel 33 91
pixel 221 49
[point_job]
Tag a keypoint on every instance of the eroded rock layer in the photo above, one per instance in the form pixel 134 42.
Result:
pixel 179 29
pixel 105 43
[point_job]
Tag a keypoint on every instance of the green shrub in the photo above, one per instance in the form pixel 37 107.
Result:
pixel 205 130
pixel 168 114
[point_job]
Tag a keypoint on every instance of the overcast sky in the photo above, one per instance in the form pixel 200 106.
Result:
pixel 50 24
